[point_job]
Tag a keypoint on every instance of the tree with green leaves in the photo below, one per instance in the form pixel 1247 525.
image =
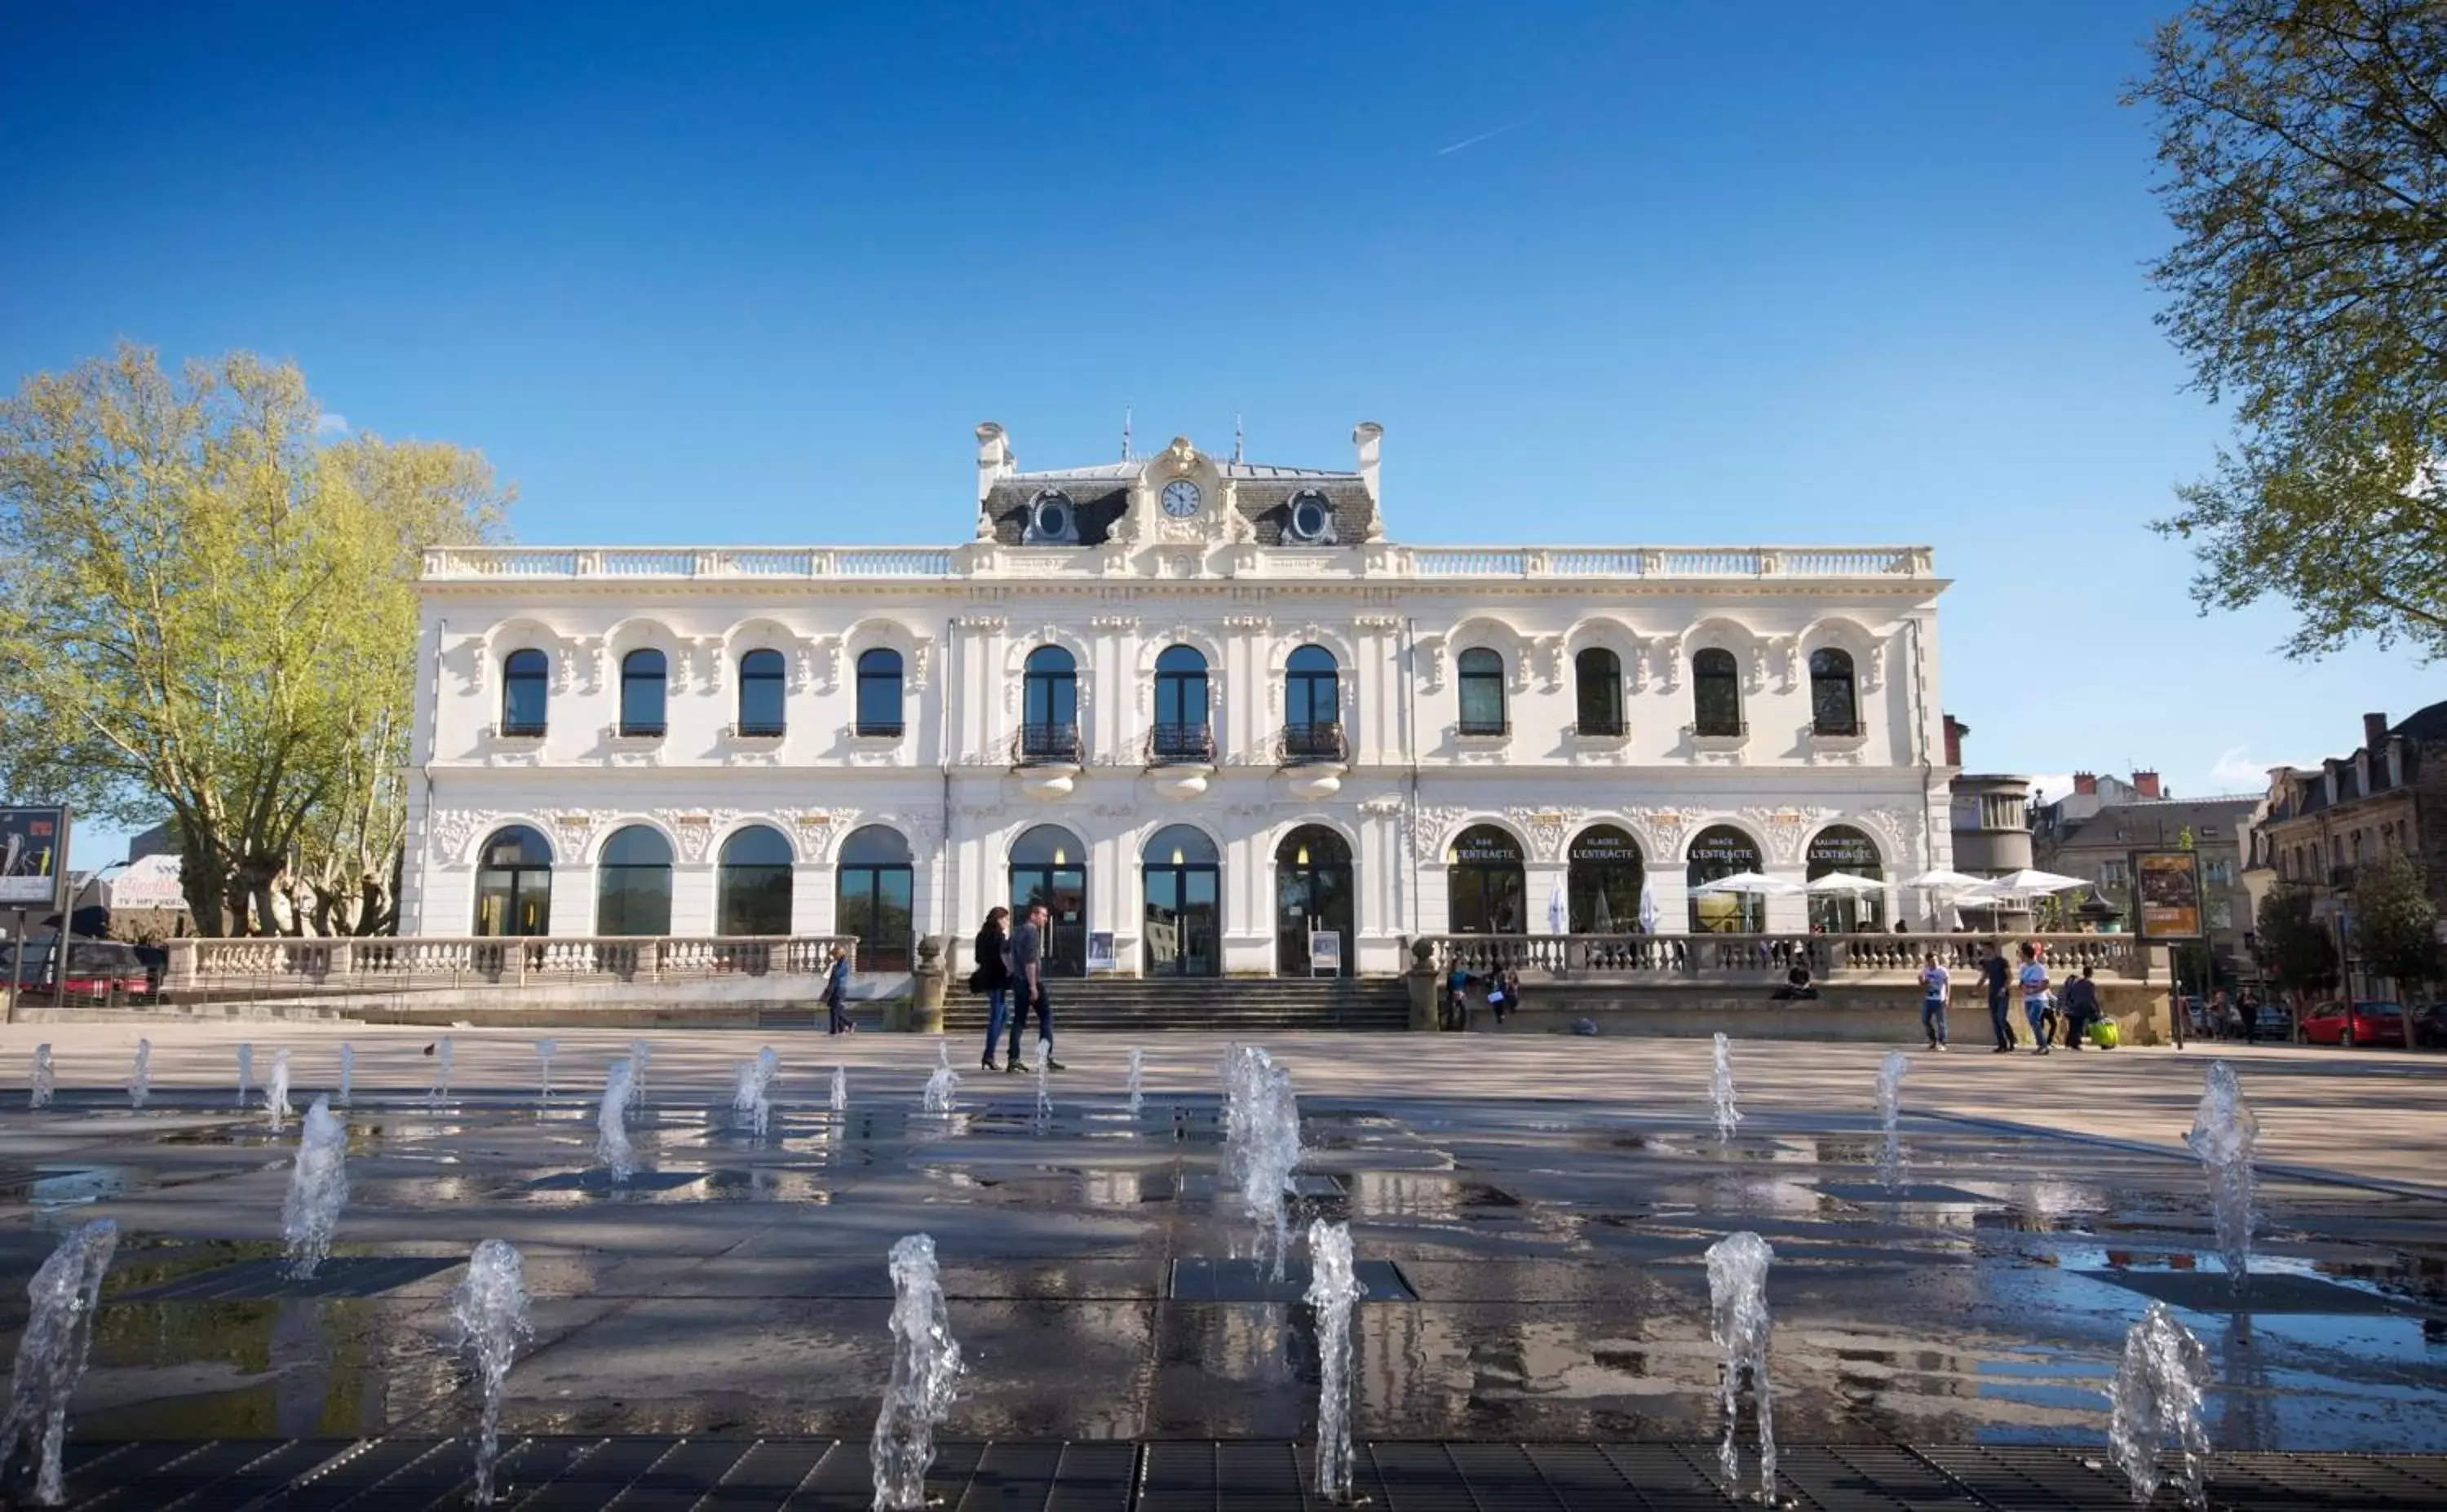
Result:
pixel 2396 925
pixel 208 609
pixel 2303 152
pixel 2294 946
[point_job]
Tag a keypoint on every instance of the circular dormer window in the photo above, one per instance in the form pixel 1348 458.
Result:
pixel 1312 521
pixel 1051 517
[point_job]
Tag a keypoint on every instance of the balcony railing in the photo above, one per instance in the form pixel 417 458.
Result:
pixel 760 729
pixel 1603 726
pixel 878 729
pixel 1046 745
pixel 384 964
pixel 1760 958
pixel 1485 729
pixel 1312 745
pixel 1722 729
pixel 1180 746
pixel 522 730
pixel 640 730
pixel 1829 730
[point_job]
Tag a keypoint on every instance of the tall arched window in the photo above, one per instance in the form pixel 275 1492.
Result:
pixel 753 885
pixel 1840 851
pixel 1597 683
pixel 1049 731
pixel 641 693
pixel 1605 878
pixel 1182 731
pixel 526 675
pixel 1181 875
pixel 878 691
pixel 1833 708
pixel 1716 694
pixel 1313 896
pixel 632 888
pixel 1050 866
pixel 514 883
pixel 1485 889
pixel 872 898
pixel 1312 707
pixel 1721 850
pixel 1482 691
pixel 760 693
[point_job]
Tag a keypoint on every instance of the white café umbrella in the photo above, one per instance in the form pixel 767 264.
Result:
pixel 1556 907
pixel 1845 884
pixel 2027 881
pixel 1647 907
pixel 1942 880
pixel 1751 883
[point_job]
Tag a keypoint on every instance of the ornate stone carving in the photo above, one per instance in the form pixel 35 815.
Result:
pixel 564 669
pixel 821 829
pixel 571 830
pixel 473 658
pixel 1758 666
pixel 450 831
pixel 595 657
pixel 1246 623
pixel 1550 655
pixel 1381 806
pixel 1874 671
pixel 1430 825
pixel 1898 833
pixel 803 669
pixel 1788 650
pixel 1669 665
pixel 1433 648
pixel 693 829
pixel 1380 623
pixel 1661 831
pixel 1785 828
pixel 921 658
pixel 1546 828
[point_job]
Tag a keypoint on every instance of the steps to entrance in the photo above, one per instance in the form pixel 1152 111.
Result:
pixel 1368 1003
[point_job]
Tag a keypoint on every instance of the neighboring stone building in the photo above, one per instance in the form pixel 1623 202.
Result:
pixel 2093 831
pixel 1991 814
pixel 1203 708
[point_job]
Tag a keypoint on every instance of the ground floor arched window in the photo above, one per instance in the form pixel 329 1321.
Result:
pixel 1486 892
pixel 1050 866
pixel 514 883
pixel 1603 885
pixel 873 885
pixel 1312 895
pixel 1839 850
pixel 1181 875
pixel 1724 851
pixel 632 884
pixel 753 885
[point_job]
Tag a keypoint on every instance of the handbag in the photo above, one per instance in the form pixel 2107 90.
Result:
pixel 975 978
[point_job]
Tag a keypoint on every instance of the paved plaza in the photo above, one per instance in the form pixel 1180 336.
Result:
pixel 1530 1211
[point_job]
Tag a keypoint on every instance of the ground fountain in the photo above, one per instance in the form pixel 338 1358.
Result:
pixel 1891 1092
pixel 51 1351
pixel 925 1367
pixel 440 1091
pixel 1721 1087
pixel 1738 1322
pixel 545 1050
pixel 490 1307
pixel 348 1073
pixel 1044 1090
pixel 942 1087
pixel 612 1148
pixel 1261 1144
pixel 318 1189
pixel 2155 1403
pixel 39 1093
pixel 1332 1289
pixel 640 1054
pixel 140 1083
pixel 275 1093
pixel 1138 1070
pixel 2223 1132
pixel 245 1074
pixel 752 1104
pixel 840 1090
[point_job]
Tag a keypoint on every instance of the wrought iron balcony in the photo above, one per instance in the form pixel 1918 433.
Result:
pixel 1046 745
pixel 1832 729
pixel 760 729
pixel 641 730
pixel 878 729
pixel 1180 746
pixel 1721 729
pixel 522 730
pixel 1312 745
pixel 1605 727
pixel 1484 729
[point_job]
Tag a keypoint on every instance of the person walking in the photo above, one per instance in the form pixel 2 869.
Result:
pixel 1456 998
pixel 1997 977
pixel 1028 985
pixel 2033 980
pixel 993 977
pixel 2080 1009
pixel 837 993
pixel 1935 987
pixel 2247 1004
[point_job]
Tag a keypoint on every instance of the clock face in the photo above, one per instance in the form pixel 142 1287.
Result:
pixel 1180 499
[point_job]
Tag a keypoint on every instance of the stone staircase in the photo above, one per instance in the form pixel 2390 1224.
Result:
pixel 1232 1004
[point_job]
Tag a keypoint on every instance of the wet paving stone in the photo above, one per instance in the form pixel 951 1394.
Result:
pixel 270 1280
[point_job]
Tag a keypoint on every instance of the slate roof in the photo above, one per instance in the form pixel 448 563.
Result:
pixel 1101 495
pixel 2159 823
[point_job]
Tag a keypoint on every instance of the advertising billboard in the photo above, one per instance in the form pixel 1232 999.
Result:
pixel 33 858
pixel 2167 895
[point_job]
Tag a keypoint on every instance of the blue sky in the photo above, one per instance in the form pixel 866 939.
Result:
pixel 1684 273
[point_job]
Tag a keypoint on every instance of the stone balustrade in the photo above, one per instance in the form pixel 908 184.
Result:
pixel 382 963
pixel 1764 957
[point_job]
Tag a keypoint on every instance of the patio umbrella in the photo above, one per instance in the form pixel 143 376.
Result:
pixel 1751 883
pixel 1942 880
pixel 1845 884
pixel 1647 907
pixel 1603 922
pixel 2017 884
pixel 1556 915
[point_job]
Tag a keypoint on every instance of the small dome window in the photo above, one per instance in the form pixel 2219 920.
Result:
pixel 1053 520
pixel 1312 520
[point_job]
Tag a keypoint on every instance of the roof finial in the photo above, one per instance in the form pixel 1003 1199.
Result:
pixel 1126 432
pixel 1236 438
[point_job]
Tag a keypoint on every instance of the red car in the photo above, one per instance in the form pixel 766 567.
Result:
pixel 2366 1024
pixel 98 971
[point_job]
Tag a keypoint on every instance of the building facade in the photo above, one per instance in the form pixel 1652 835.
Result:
pixel 1203 708
pixel 2093 831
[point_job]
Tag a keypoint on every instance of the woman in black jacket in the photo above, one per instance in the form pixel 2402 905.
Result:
pixel 993 977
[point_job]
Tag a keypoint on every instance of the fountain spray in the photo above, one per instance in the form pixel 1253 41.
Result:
pixel 1891 1091
pixel 245 1073
pixel 1138 1069
pixel 545 1050
pixel 39 1093
pixel 1332 1289
pixel 490 1307
pixel 2223 1132
pixel 1738 1322
pixel 749 1102
pixel 440 1091
pixel 943 1089
pixel 1721 1087
pixel 640 1054
pixel 1044 1092
pixel 925 1366
pixel 51 1351
pixel 318 1189
pixel 841 1088
pixel 2155 1402
pixel 275 1093
pixel 612 1148
pixel 139 1084
pixel 1261 1144
pixel 348 1073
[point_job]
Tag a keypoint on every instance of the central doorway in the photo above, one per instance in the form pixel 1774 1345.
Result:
pixel 1312 895
pixel 1484 883
pixel 1050 866
pixel 1183 880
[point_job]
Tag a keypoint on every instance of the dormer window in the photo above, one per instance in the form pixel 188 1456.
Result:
pixel 1311 523
pixel 1053 520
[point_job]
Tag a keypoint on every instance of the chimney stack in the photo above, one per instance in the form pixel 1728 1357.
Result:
pixel 1370 438
pixel 2146 784
pixel 995 459
pixel 2086 784
pixel 1954 730
pixel 2375 733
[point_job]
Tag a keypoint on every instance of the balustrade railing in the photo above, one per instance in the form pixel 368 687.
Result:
pixel 1054 745
pixel 1180 746
pixel 1767 957
pixel 377 964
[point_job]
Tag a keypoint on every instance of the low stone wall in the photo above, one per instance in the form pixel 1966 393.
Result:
pixel 1877 1012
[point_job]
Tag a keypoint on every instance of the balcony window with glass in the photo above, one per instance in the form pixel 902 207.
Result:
pixel 1481 675
pixel 633 892
pixel 1182 731
pixel 1312 707
pixel 525 677
pixel 642 678
pixel 1715 694
pixel 1049 731
pixel 1834 707
pixel 761 694
pixel 1597 683
pixel 878 692
pixel 752 885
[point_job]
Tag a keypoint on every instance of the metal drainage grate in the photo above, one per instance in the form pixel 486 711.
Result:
pixel 2267 1292
pixel 1201 1281
pixel 599 1182
pixel 268 1281
pixel 1925 1192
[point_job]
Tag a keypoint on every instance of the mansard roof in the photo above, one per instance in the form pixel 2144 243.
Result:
pixel 1100 495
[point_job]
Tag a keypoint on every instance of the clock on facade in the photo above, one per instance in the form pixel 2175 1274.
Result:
pixel 1180 499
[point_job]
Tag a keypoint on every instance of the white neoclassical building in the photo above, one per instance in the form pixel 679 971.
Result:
pixel 1204 709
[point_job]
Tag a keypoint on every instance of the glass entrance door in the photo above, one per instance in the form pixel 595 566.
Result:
pixel 1063 890
pixel 1312 895
pixel 1182 937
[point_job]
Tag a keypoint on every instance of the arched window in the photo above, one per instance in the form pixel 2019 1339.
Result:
pixel 1724 851
pixel 1716 694
pixel 1183 730
pixel 1312 707
pixel 1833 708
pixel 1050 866
pixel 1312 897
pixel 872 898
pixel 1182 879
pixel 1482 691
pixel 1049 731
pixel 1485 890
pixel 1597 681
pixel 1603 883
pixel 641 693
pixel 1839 851
pixel 753 886
pixel 514 883
pixel 525 676
pixel 760 693
pixel 632 888
pixel 878 691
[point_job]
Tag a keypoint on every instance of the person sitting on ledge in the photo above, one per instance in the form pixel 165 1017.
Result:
pixel 1798 986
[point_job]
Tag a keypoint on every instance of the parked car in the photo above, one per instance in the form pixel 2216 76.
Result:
pixel 97 971
pixel 2430 1025
pixel 2360 1022
pixel 2274 1022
